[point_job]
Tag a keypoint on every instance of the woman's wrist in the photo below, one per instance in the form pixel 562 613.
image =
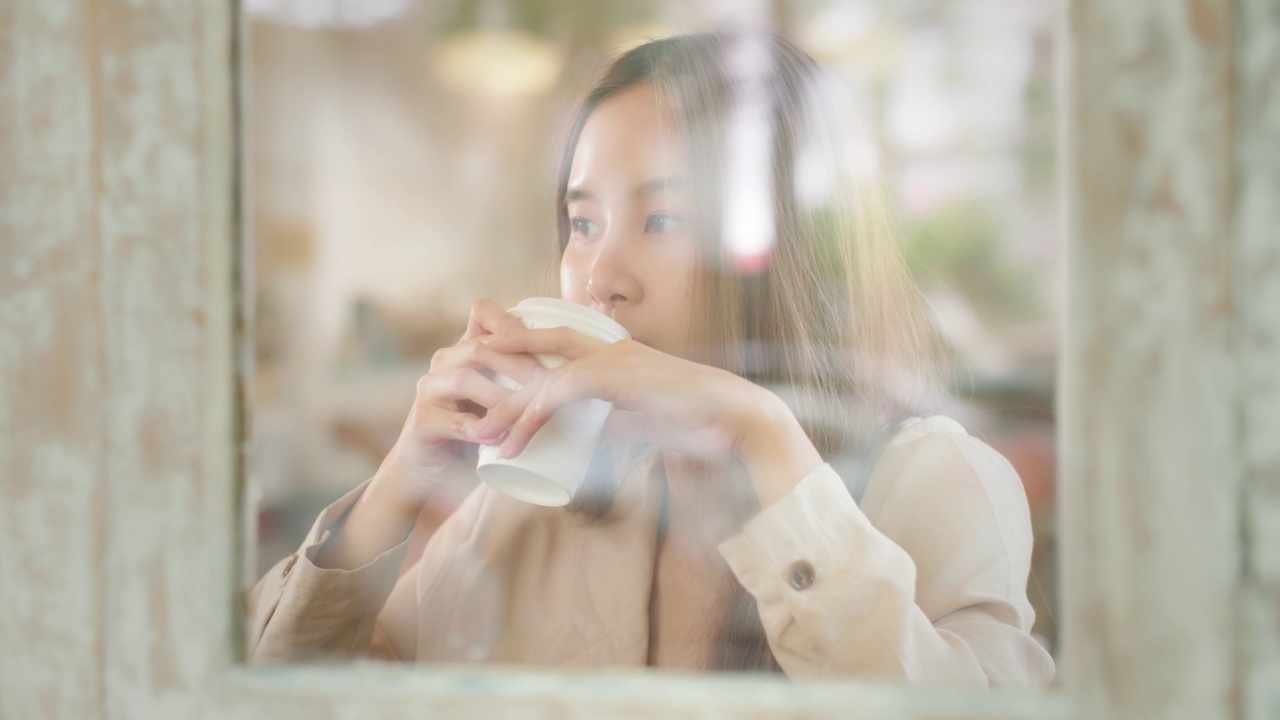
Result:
pixel 381 518
pixel 389 489
pixel 774 448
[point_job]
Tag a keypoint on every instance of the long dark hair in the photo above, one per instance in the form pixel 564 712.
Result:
pixel 828 316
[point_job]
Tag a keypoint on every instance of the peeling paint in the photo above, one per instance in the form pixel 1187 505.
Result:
pixel 1151 389
pixel 117 426
pixel 1258 280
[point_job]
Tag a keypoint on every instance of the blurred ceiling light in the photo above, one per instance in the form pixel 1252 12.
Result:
pixel 326 13
pixel 497 63
pixel 499 48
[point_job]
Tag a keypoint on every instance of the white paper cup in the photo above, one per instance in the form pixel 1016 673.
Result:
pixel 551 467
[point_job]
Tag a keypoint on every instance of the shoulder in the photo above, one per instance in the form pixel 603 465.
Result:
pixel 939 435
pixel 935 487
pixel 937 454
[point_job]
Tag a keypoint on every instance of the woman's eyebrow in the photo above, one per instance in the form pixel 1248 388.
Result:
pixel 576 193
pixel 648 187
pixel 658 185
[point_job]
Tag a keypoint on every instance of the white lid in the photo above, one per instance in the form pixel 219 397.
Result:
pixel 570 314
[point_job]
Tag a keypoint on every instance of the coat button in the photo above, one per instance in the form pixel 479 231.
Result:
pixel 802 574
pixel 288 566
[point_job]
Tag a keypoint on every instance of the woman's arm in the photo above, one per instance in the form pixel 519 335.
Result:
pixel 933 592
pixel 323 600
pixel 300 611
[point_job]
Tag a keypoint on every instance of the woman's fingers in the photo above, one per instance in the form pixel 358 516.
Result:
pixel 441 423
pixel 609 374
pixel 489 318
pixel 518 417
pixel 440 412
pixel 494 427
pixel 461 384
pixel 542 401
pixel 521 368
pixel 562 341
pixel 477 354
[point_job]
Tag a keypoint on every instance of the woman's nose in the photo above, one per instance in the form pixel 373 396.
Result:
pixel 612 281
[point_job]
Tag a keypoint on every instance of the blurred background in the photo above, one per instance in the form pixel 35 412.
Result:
pixel 401 160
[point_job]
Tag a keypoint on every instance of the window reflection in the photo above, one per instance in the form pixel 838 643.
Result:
pixel 405 165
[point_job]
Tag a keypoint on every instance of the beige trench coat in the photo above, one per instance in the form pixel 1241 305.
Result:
pixel 923 580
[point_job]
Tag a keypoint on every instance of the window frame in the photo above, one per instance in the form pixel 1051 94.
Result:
pixel 126 528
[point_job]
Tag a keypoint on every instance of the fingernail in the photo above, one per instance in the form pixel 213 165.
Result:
pixel 494 440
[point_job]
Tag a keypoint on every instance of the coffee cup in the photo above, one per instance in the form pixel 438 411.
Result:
pixel 554 462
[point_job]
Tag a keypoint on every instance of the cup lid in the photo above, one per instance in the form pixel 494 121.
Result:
pixel 571 314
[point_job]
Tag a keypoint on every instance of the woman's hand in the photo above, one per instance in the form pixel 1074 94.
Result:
pixel 453 395
pixel 658 398
pixel 450 398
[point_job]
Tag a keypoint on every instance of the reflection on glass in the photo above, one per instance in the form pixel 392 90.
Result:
pixel 815 435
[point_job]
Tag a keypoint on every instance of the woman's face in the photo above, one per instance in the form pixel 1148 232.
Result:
pixel 630 253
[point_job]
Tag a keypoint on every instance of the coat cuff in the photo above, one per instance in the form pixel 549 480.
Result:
pixel 327 612
pixel 784 545
pixel 805 544
pixel 369 582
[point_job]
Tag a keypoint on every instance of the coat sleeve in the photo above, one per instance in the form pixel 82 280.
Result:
pixel 299 612
pixel 933 592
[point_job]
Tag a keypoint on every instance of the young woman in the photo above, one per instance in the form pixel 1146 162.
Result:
pixel 711 202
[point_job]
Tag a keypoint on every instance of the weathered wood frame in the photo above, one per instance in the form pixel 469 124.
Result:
pixel 123 350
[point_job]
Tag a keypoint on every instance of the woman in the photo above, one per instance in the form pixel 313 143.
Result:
pixel 708 202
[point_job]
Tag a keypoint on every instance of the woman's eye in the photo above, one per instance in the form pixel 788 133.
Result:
pixel 583 226
pixel 662 223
